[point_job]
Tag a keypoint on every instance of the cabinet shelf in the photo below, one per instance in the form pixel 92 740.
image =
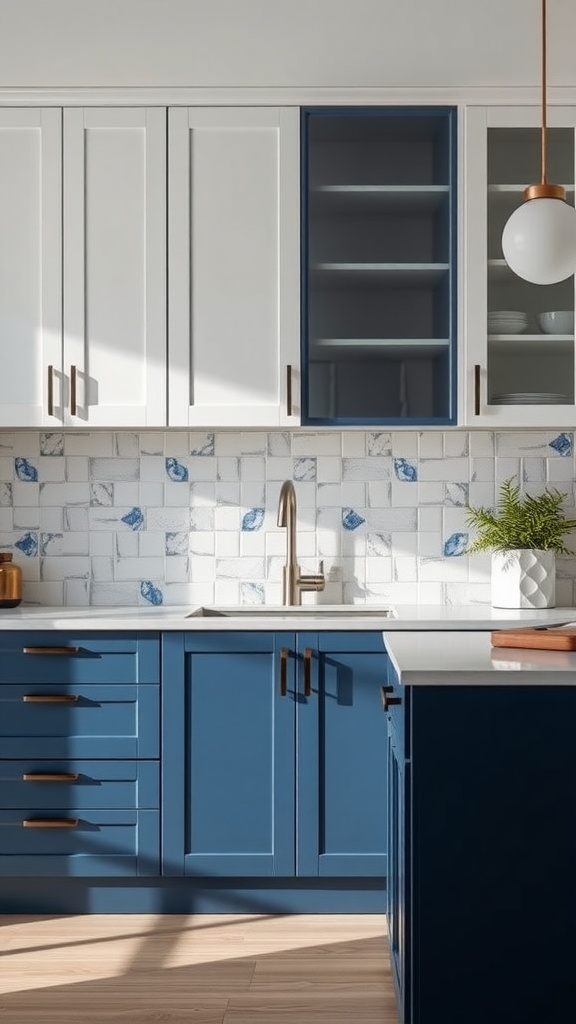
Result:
pixel 531 342
pixel 416 275
pixel 383 348
pixel 393 198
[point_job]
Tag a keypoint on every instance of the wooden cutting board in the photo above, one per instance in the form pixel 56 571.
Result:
pixel 559 638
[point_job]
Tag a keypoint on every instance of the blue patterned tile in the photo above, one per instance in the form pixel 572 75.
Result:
pixel 151 593
pixel 405 470
pixel 6 495
pixel 52 444
pixel 176 471
pixel 134 519
pixel 25 471
pixel 28 544
pixel 562 444
pixel 456 544
pixel 253 520
pixel 351 520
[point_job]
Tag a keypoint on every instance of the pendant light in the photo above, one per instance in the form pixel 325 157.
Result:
pixel 539 239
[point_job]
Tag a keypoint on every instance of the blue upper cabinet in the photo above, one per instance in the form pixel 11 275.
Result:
pixel 379 265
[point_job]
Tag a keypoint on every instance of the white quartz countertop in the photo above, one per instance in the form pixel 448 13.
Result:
pixel 468 659
pixel 313 618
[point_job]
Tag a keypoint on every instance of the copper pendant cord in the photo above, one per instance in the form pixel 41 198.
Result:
pixel 544 190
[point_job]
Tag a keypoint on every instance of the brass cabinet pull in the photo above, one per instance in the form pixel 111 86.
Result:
pixel 284 655
pixel 50 698
pixel 387 701
pixel 289 390
pixel 307 671
pixel 50 776
pixel 73 374
pixel 477 389
pixel 50 822
pixel 50 390
pixel 51 650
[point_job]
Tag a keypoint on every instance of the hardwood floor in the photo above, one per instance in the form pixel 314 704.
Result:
pixel 212 969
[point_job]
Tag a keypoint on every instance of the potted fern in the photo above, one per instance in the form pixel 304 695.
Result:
pixel 524 535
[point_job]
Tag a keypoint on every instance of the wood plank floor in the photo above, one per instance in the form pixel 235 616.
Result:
pixel 212 969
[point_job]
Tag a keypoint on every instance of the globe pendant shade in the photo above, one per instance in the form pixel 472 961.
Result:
pixel 539 241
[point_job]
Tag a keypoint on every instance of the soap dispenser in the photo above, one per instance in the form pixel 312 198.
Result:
pixel 10 581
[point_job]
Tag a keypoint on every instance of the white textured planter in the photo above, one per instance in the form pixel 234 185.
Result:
pixel 523 578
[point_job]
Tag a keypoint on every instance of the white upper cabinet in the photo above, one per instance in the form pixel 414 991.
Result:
pixel 83 267
pixel 234 245
pixel 114 280
pixel 516 372
pixel 30 263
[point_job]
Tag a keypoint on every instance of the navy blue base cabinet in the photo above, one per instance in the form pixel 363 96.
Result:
pixel 482 857
pixel 79 741
pixel 265 794
pixel 284 755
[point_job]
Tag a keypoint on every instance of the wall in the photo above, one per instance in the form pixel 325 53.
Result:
pixel 124 518
pixel 284 43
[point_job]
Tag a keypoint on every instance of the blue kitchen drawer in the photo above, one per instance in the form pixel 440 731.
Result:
pixel 119 843
pixel 53 657
pixel 39 785
pixel 102 721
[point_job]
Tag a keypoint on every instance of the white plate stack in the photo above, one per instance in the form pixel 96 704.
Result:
pixel 507 321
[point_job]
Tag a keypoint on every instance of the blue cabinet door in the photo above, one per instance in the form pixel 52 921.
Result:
pixel 398 870
pixel 379 268
pixel 341 755
pixel 228 741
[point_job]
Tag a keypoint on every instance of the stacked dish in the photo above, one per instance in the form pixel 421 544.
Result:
pixel 530 398
pixel 507 321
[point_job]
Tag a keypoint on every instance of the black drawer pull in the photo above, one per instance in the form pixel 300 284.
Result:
pixel 284 655
pixel 50 698
pixel 50 822
pixel 307 656
pixel 50 777
pixel 51 650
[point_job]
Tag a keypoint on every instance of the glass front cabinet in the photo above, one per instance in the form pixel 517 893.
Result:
pixel 519 361
pixel 378 265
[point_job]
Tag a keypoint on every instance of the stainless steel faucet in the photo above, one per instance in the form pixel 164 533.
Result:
pixel 293 583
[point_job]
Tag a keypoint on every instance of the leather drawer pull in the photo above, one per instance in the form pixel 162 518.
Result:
pixel 50 698
pixel 51 650
pixel 50 777
pixel 50 822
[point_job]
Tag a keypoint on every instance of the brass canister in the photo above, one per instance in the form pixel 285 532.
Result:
pixel 10 581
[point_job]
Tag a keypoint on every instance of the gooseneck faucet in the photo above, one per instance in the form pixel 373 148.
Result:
pixel 293 583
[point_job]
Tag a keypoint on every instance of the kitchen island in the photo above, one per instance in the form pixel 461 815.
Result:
pixel 482 830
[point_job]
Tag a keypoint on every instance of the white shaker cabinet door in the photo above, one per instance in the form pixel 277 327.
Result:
pixel 30 267
pixel 234 284
pixel 516 374
pixel 114 287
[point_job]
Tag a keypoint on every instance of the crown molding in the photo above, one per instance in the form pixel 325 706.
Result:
pixel 285 96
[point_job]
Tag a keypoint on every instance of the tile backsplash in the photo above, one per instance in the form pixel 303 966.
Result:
pixel 189 517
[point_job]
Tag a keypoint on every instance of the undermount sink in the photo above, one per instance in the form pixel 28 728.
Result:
pixel 283 612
